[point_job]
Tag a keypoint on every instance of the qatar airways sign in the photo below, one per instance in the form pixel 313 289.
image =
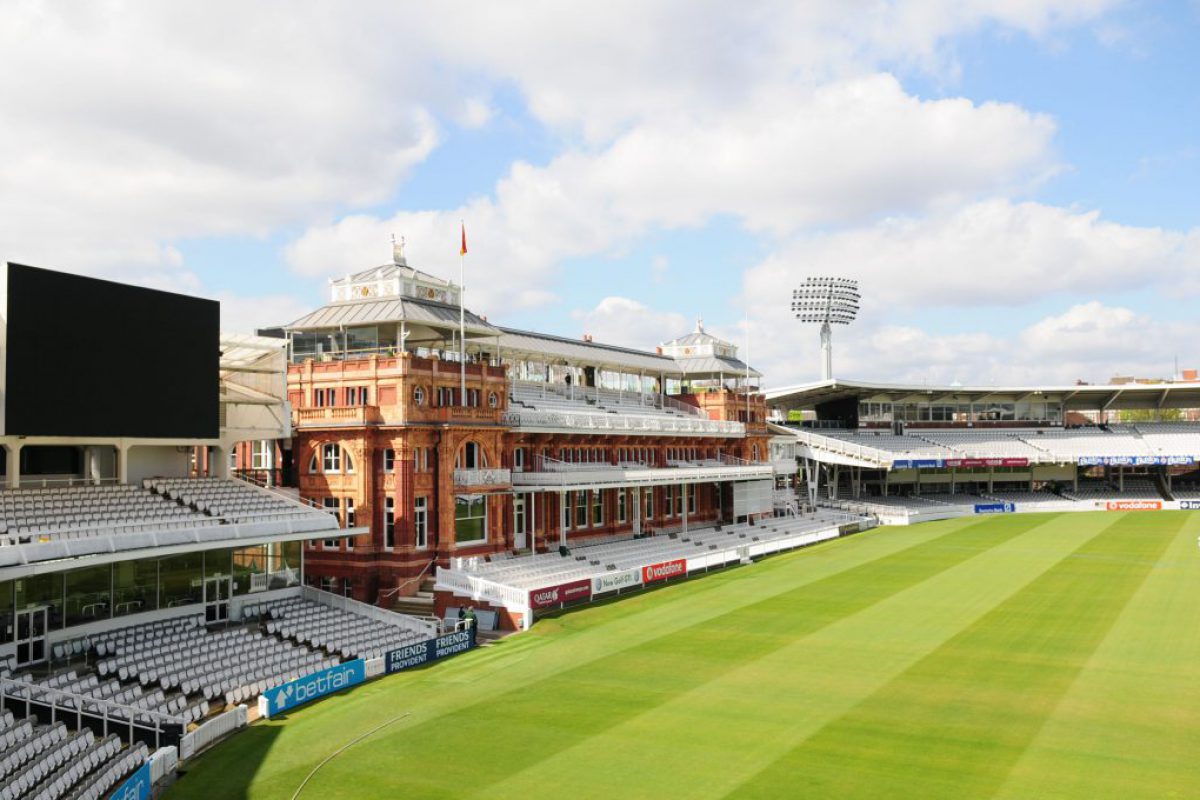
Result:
pixel 563 593
pixel 1134 505
pixel 664 571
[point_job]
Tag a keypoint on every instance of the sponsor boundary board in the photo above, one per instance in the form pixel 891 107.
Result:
pixel 562 593
pixel 312 686
pixel 136 786
pixel 615 581
pixel 430 650
pixel 664 570
pixel 995 508
pixel 1133 505
pixel 1189 505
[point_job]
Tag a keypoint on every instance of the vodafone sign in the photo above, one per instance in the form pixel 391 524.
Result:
pixel 665 570
pixel 563 593
pixel 1134 505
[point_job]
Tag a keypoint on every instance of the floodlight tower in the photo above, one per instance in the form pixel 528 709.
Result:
pixel 828 301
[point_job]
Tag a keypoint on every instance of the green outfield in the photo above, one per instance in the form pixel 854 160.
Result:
pixel 1016 656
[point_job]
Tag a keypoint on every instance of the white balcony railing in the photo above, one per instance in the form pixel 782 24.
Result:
pixel 482 477
pixel 621 423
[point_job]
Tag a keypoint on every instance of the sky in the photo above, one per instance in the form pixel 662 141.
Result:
pixel 1013 182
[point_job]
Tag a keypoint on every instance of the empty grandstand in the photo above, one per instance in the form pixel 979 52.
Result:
pixel 522 585
pixel 146 596
pixel 907 453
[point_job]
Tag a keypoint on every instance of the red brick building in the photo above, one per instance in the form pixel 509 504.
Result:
pixel 531 441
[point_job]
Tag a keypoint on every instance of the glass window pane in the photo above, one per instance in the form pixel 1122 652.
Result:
pixel 6 611
pixel 135 585
pixel 181 580
pixel 89 594
pixel 249 562
pixel 42 590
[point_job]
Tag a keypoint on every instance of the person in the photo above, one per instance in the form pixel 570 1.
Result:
pixel 469 617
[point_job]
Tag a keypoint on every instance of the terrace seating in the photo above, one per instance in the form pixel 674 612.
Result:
pixel 339 632
pixel 49 762
pixel 586 560
pixel 983 444
pixel 230 665
pixel 235 501
pixel 37 514
pixel 1072 444
pixel 1135 489
pixel 901 446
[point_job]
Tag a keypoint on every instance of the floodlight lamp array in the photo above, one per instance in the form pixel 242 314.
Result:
pixel 826 300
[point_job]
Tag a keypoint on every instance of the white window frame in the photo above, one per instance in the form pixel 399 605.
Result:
pixel 333 506
pixel 331 458
pixel 520 515
pixel 262 454
pixel 389 460
pixel 421 522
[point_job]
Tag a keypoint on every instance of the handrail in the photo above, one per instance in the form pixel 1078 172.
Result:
pixel 35 690
pixel 843 447
pixel 390 592
pixel 585 419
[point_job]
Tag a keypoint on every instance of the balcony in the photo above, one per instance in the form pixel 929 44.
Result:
pixel 561 475
pixel 477 478
pixel 583 421
pixel 337 416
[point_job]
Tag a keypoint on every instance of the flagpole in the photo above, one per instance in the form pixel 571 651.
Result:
pixel 462 342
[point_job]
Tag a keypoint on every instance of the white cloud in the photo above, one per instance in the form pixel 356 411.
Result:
pixel 240 314
pixel 629 323
pixel 986 255
pixel 993 252
pixel 820 160
pixel 130 127
pixel 1089 341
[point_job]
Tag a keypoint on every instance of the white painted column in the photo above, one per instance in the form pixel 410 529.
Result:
pixel 532 522
pixel 123 464
pixel 684 487
pixel 637 511
pixel 222 455
pixel 562 518
pixel 13 465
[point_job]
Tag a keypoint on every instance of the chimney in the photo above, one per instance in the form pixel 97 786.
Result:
pixel 587 337
pixel 658 349
pixel 1191 375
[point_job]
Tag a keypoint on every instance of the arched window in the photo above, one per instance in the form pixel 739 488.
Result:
pixel 331 457
pixel 347 462
pixel 313 468
pixel 754 453
pixel 493 400
pixel 471 456
pixel 418 395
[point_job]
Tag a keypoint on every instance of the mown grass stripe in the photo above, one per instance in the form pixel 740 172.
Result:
pixel 1128 727
pixel 744 719
pixel 955 723
pixel 541 717
pixel 268 753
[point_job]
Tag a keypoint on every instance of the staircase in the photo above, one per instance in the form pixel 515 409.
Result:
pixel 419 604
